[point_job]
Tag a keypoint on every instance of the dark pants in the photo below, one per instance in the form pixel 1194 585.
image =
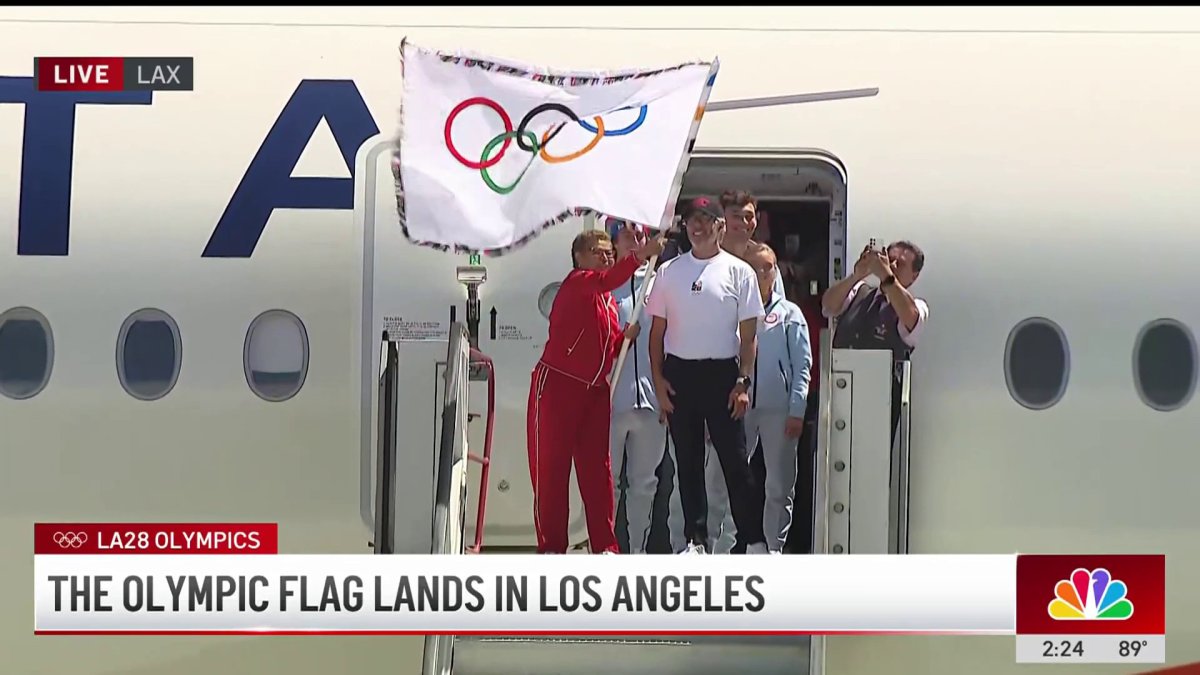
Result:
pixel 801 534
pixel 799 539
pixel 702 398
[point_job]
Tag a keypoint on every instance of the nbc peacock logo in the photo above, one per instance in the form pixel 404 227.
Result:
pixel 1090 595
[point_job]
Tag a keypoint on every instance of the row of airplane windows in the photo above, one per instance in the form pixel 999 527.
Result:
pixel 150 354
pixel 275 358
pixel 1037 364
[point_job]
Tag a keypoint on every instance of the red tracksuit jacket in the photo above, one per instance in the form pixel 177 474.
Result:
pixel 585 332
pixel 568 416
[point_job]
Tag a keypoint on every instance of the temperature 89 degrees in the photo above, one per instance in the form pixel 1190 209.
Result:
pixel 1131 647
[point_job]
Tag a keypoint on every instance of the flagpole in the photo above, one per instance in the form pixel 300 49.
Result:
pixel 667 217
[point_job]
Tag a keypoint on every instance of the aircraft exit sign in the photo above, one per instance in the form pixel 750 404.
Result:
pixel 105 73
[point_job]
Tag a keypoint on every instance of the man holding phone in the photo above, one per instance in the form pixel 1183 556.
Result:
pixel 887 316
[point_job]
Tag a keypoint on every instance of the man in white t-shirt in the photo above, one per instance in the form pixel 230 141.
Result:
pixel 705 307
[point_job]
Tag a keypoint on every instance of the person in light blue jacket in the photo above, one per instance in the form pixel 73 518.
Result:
pixel 778 395
pixel 638 440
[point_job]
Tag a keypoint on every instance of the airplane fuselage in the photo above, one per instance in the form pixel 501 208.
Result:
pixel 1044 160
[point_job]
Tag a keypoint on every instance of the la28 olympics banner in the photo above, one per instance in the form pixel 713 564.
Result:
pixel 214 578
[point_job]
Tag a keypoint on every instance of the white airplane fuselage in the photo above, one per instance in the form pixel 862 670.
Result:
pixel 1045 160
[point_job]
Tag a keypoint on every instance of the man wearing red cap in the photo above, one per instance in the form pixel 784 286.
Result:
pixel 569 413
pixel 706 306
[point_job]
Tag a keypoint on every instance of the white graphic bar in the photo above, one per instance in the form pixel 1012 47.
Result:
pixel 1091 649
pixel 522 594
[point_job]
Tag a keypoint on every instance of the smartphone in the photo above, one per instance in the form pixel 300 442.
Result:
pixel 874 244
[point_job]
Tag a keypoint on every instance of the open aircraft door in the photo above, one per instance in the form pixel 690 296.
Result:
pixel 862 485
pixel 416 295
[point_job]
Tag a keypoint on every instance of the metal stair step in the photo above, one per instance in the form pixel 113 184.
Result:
pixel 648 655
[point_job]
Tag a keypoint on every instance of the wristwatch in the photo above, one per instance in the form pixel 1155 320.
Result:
pixel 743 381
pixel 888 281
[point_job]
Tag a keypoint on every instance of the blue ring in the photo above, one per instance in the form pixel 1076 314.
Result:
pixel 633 126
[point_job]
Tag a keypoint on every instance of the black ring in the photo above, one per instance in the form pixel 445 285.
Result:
pixel 545 107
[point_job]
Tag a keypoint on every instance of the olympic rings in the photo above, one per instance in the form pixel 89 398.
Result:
pixel 538 110
pixel 527 140
pixel 506 138
pixel 628 129
pixel 70 539
pixel 508 127
pixel 574 155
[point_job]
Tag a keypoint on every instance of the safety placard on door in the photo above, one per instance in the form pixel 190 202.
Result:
pixel 411 330
pixel 510 332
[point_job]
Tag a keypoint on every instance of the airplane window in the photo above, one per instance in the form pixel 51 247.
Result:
pixel 546 299
pixel 1037 363
pixel 1165 364
pixel 149 354
pixel 26 352
pixel 276 355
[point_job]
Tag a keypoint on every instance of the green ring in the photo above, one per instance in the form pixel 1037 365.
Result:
pixel 487 149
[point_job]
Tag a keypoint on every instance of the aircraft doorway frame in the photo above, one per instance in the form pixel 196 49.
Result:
pixel 780 161
pixel 783 160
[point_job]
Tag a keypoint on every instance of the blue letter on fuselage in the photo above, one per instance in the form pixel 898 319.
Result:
pixel 268 183
pixel 47 151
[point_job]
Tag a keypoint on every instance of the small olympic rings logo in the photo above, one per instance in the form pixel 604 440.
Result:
pixel 70 539
pixel 527 140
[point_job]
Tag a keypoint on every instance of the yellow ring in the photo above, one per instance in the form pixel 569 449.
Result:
pixel 574 155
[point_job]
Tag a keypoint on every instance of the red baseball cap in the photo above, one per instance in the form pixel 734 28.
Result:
pixel 708 206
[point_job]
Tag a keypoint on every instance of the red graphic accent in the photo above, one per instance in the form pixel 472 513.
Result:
pixel 80 73
pixel 1144 577
pixel 155 538
pixel 1185 669
pixel 771 319
pixel 427 631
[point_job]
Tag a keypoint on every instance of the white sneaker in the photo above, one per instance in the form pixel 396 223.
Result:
pixel 756 549
pixel 694 549
pixel 607 553
pixel 776 552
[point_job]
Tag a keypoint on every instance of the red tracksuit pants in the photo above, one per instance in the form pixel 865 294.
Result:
pixel 568 422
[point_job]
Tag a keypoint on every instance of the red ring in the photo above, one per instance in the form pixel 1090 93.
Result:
pixel 508 127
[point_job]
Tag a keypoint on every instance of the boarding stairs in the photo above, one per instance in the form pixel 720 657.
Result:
pixel 855 437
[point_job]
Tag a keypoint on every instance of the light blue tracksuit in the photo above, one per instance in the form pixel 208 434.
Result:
pixel 637 439
pixel 780 390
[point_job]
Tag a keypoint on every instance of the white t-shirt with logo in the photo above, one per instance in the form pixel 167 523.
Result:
pixel 703 302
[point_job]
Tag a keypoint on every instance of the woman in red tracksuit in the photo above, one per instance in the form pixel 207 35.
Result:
pixel 568 415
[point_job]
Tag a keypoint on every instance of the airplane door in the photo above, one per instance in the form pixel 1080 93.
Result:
pixel 862 469
pixel 414 293
pixel 858 452
pixel 862 466
pixel 408 291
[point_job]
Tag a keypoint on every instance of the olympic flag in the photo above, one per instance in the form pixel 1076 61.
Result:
pixel 491 152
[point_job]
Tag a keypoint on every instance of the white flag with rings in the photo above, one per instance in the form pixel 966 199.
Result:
pixel 491 152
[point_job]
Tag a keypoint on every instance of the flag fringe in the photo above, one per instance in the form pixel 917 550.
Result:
pixel 554 76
